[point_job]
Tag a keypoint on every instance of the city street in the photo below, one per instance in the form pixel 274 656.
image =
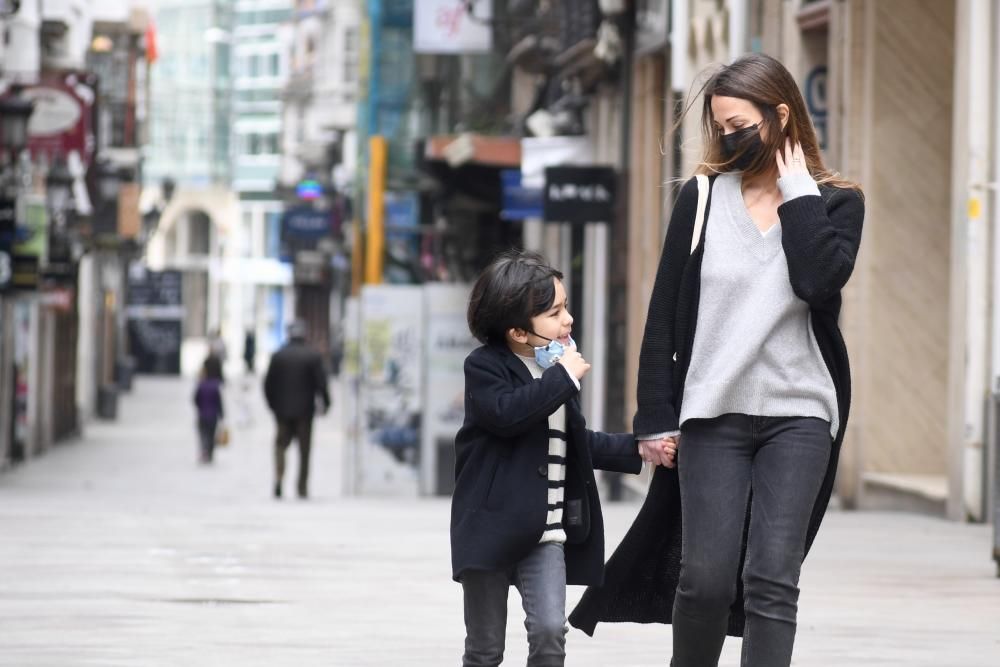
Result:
pixel 118 549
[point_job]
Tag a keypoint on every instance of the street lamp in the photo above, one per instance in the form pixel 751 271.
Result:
pixel 15 110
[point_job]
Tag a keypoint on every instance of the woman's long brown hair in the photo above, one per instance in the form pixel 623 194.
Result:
pixel 765 82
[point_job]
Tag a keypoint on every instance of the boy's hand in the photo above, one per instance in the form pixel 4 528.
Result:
pixel 574 362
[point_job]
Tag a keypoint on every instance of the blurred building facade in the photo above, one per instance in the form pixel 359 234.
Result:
pixel 222 225
pixel 904 98
pixel 261 304
pixel 902 95
pixel 190 145
pixel 319 158
pixel 78 72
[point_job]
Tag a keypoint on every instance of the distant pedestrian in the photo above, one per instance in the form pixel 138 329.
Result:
pixel 294 381
pixel 212 368
pixel 217 346
pixel 216 360
pixel 208 402
pixel 526 511
pixel 743 376
pixel 250 351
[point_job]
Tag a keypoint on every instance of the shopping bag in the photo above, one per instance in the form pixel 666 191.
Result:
pixel 222 435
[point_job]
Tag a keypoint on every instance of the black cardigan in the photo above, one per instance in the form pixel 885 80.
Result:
pixel 500 502
pixel 820 236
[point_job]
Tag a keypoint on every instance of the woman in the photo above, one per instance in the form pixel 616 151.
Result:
pixel 743 375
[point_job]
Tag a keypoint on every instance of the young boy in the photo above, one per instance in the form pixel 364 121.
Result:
pixel 526 509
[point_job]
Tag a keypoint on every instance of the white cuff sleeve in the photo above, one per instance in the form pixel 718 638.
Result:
pixel 571 377
pixel 659 436
pixel 793 186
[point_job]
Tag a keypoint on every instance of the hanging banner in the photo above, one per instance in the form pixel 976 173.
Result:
pixel 452 26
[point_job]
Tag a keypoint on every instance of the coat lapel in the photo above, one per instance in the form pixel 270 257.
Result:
pixel 514 364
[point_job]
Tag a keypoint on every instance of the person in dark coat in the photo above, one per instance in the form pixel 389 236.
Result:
pixel 208 403
pixel 744 372
pixel 295 380
pixel 250 351
pixel 525 509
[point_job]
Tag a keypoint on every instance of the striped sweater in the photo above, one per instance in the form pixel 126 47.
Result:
pixel 557 465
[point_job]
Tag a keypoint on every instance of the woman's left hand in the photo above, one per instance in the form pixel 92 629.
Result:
pixel 662 452
pixel 791 160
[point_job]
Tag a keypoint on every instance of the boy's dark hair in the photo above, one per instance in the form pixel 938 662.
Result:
pixel 515 287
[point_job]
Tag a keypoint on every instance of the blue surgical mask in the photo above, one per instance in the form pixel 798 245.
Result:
pixel 548 355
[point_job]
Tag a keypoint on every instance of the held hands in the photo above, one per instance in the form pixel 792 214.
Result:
pixel 659 452
pixel 791 160
pixel 574 363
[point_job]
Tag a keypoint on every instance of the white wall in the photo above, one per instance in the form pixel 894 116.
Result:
pixel 115 10
pixel 22 56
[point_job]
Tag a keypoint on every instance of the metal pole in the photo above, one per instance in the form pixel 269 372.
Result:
pixel 992 490
pixel 375 241
pixel 617 256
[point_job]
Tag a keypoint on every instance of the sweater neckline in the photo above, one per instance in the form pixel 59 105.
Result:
pixel 763 245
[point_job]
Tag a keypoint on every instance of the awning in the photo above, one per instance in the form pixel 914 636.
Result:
pixel 479 149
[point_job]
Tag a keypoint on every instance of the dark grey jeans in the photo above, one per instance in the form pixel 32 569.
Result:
pixel 541 580
pixel 783 460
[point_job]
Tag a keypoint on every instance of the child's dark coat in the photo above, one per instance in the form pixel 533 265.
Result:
pixel 501 493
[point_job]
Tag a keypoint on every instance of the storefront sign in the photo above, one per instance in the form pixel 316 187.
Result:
pixel 302 229
pixel 817 103
pixel 62 122
pixel 30 248
pixel 452 26
pixel 519 202
pixel 579 194
pixel 154 306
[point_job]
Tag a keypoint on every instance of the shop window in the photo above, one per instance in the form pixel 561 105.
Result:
pixel 199 234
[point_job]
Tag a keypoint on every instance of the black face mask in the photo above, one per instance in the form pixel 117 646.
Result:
pixel 744 145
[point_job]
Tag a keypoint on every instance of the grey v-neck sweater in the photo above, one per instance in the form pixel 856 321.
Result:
pixel 755 352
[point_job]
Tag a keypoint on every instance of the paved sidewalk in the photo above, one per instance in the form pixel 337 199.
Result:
pixel 120 550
